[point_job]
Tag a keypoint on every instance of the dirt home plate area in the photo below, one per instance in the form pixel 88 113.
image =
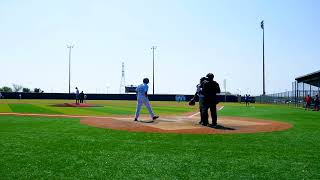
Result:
pixel 185 124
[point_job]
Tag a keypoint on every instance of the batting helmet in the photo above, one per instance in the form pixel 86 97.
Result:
pixel 146 80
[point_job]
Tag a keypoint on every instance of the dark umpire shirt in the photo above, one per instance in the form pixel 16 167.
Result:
pixel 210 91
pixel 81 95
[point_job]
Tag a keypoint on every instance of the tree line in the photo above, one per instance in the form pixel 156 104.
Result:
pixel 19 88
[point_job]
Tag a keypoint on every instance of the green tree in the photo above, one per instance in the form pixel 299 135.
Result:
pixel 6 89
pixel 25 90
pixel 37 90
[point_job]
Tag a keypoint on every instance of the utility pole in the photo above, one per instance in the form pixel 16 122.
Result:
pixel 153 48
pixel 108 86
pixel 123 81
pixel 239 95
pixel 70 47
pixel 264 87
pixel 225 89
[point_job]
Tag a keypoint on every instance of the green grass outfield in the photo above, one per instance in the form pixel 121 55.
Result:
pixel 58 148
pixel 108 107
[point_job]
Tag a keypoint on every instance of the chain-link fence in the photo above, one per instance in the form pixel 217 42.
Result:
pixel 295 97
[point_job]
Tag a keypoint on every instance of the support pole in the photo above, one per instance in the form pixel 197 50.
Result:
pixel 153 48
pixel 70 47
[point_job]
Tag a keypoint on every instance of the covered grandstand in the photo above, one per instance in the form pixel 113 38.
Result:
pixel 308 84
pixel 312 79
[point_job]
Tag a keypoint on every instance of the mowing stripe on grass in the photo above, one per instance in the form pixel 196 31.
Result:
pixel 49 115
pixel 5 108
pixel 172 109
pixel 80 111
pixel 111 110
pixel 130 110
pixel 29 108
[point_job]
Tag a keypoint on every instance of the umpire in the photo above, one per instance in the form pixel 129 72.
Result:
pixel 210 90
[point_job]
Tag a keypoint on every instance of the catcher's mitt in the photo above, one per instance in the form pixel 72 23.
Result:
pixel 192 102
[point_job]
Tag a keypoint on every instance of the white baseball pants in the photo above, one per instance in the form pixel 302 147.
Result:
pixel 140 101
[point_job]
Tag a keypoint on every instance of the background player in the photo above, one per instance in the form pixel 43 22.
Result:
pixel 77 96
pixel 247 99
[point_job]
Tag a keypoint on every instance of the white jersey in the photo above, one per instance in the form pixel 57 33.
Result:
pixel 142 89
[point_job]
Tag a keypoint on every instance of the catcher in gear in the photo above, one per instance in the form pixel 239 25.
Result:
pixel 192 102
pixel 199 96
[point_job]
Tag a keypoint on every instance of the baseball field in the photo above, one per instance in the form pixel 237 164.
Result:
pixel 41 140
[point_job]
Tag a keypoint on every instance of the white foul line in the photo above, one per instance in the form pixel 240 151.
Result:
pixel 221 108
pixel 191 116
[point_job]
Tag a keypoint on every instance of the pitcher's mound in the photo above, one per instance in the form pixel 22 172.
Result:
pixel 76 105
pixel 187 125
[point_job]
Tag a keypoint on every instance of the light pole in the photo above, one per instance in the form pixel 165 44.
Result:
pixel 108 89
pixel 239 95
pixel 225 89
pixel 153 48
pixel 262 27
pixel 69 47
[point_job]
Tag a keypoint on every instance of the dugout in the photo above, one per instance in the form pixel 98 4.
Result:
pixel 308 84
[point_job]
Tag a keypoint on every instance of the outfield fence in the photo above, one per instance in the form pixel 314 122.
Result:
pixel 156 97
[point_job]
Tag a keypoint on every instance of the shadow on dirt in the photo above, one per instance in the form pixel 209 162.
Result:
pixel 220 127
pixel 145 121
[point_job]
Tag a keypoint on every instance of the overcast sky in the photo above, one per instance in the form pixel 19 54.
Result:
pixel 193 37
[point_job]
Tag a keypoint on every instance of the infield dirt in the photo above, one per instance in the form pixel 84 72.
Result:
pixel 187 124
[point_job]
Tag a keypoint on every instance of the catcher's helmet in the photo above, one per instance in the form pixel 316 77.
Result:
pixel 146 80
pixel 203 79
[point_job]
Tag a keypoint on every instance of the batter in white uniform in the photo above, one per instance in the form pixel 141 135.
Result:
pixel 142 98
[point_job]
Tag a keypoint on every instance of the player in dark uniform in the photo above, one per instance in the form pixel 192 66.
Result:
pixel 81 97
pixel 247 99
pixel 210 90
pixel 199 96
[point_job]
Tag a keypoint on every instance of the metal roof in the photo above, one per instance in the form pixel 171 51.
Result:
pixel 312 79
